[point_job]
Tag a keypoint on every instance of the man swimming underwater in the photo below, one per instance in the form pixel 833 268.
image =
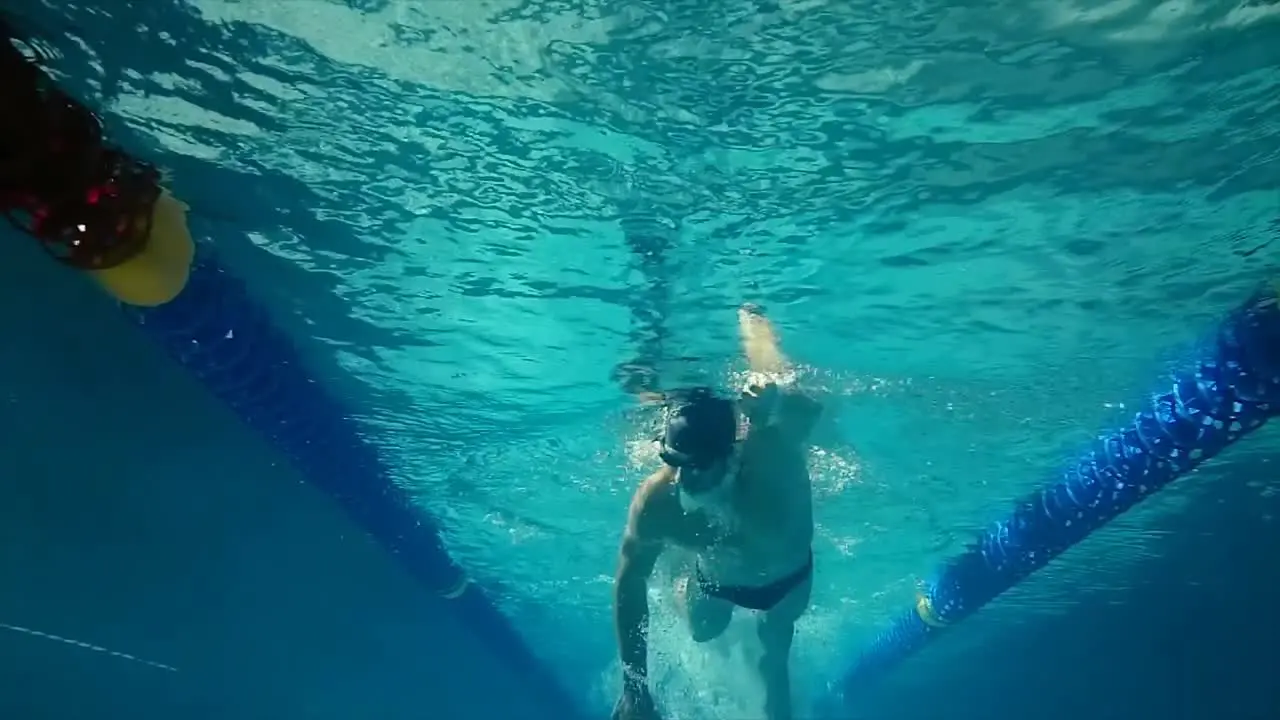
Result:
pixel 734 492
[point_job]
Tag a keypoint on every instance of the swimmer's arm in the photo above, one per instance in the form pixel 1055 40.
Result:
pixel 641 547
pixel 760 343
pixel 793 413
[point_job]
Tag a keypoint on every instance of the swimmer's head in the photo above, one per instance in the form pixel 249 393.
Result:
pixel 700 442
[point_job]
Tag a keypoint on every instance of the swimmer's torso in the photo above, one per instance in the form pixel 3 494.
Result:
pixel 768 532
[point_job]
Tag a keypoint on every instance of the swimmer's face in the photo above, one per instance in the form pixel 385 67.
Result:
pixel 709 491
pixel 705 477
pixel 700 443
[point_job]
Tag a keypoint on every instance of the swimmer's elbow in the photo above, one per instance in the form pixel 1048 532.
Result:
pixel 635 562
pixel 629 586
pixel 630 595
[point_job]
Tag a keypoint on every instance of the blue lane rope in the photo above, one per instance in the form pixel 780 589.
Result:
pixel 225 339
pixel 1228 392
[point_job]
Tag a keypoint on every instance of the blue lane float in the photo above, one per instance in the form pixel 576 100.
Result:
pixel 1226 393
pixel 225 339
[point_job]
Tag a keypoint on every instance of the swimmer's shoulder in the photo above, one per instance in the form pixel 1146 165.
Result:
pixel 800 412
pixel 789 430
pixel 655 505
pixel 792 412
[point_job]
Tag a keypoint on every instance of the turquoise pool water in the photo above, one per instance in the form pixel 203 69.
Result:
pixel 981 230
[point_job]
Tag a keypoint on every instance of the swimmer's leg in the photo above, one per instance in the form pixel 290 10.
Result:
pixel 708 617
pixel 777 629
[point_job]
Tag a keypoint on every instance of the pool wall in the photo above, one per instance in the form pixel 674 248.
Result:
pixel 137 513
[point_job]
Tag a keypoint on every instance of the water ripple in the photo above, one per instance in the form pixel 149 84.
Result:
pixel 977 209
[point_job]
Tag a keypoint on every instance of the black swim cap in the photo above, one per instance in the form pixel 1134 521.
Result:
pixel 702 427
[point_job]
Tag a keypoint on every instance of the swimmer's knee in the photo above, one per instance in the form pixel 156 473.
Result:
pixel 704 633
pixel 709 619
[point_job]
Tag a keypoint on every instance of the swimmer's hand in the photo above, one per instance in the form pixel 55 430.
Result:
pixel 635 704
pixel 792 413
pixel 760 401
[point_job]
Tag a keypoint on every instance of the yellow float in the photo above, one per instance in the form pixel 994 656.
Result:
pixel 157 273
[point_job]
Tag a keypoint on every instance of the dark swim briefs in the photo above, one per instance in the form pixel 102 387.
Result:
pixel 758 597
